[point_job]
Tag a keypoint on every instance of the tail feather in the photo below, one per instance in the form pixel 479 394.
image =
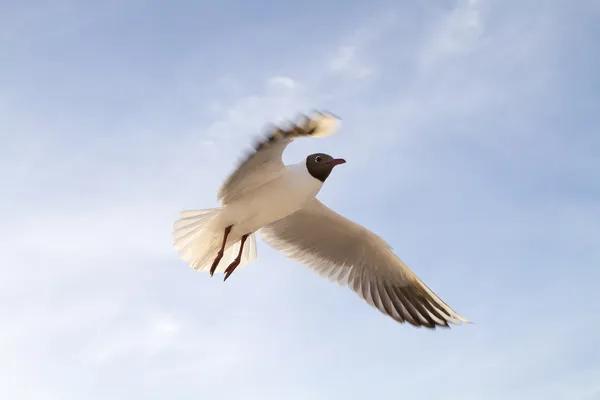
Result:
pixel 196 213
pixel 197 236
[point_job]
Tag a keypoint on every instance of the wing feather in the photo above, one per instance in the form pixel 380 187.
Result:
pixel 351 255
pixel 264 163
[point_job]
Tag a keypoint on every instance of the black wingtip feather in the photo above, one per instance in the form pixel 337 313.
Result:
pixel 302 127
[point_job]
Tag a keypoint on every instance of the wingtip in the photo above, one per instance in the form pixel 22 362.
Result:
pixel 332 115
pixel 326 123
pixel 460 320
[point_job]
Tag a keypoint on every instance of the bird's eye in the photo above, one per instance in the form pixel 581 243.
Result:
pixel 318 159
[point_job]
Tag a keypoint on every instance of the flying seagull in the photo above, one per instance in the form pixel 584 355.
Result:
pixel 279 201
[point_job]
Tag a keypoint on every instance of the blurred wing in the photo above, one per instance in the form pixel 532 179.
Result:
pixel 351 255
pixel 265 163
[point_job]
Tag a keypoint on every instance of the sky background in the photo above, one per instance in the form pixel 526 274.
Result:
pixel 472 135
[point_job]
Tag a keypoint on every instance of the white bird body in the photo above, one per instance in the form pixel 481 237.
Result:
pixel 278 201
pixel 248 204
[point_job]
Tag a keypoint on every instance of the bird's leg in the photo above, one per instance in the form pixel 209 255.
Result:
pixel 220 253
pixel 237 260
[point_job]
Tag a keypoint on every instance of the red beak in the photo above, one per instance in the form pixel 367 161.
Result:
pixel 337 161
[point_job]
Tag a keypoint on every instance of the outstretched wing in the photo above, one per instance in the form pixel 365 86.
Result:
pixel 264 163
pixel 351 255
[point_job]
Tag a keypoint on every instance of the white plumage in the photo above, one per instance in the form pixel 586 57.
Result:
pixel 247 199
pixel 198 234
pixel 263 195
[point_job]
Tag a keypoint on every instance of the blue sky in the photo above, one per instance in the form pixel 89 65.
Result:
pixel 471 134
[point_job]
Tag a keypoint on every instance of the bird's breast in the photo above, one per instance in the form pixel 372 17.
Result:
pixel 272 201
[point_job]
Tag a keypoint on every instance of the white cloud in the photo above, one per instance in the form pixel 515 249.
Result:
pixel 347 62
pixel 455 34
pixel 281 83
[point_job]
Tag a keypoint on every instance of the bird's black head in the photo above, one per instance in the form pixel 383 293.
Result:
pixel 320 165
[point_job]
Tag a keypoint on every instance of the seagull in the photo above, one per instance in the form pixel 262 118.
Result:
pixel 279 202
